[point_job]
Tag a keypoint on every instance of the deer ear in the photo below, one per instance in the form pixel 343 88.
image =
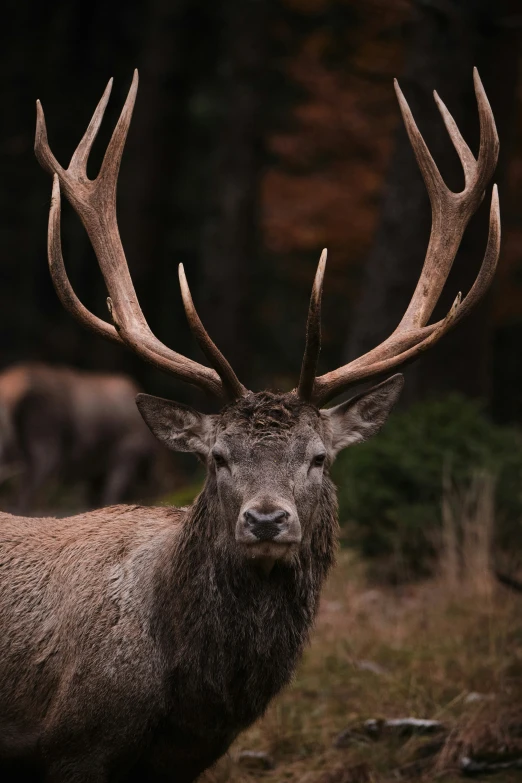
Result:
pixel 177 426
pixel 361 417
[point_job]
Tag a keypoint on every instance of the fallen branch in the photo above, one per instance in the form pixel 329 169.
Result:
pixel 375 728
pixel 470 766
pixel 402 726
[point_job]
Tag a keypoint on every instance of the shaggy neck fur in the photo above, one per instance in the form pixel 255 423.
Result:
pixel 234 636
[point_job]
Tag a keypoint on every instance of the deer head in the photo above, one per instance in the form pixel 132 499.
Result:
pixel 267 454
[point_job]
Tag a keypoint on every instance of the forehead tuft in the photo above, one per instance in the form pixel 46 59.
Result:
pixel 269 414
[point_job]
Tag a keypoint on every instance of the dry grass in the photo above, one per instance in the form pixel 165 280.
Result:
pixel 379 653
pixel 468 517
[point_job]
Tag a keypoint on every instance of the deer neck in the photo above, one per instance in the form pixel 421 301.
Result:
pixel 206 551
pixel 220 617
pixel 222 624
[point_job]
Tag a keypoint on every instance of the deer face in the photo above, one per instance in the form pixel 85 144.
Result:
pixel 267 455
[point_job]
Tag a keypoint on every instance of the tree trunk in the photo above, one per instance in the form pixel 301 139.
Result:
pixel 447 40
pixel 231 239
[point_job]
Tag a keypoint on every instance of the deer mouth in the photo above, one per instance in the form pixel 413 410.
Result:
pixel 264 554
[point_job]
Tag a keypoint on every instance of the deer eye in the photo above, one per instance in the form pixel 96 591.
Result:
pixel 219 459
pixel 318 460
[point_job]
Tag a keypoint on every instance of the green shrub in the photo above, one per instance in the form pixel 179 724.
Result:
pixel 390 488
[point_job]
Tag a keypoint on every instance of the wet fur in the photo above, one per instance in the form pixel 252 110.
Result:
pixel 137 642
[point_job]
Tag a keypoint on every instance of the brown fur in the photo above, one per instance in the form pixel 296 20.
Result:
pixel 136 643
pixel 57 423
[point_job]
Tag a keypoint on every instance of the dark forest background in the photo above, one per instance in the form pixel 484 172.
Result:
pixel 264 130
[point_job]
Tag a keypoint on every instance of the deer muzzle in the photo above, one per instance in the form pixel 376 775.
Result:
pixel 268 526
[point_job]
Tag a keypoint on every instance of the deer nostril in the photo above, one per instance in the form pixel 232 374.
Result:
pixel 265 526
pixel 249 517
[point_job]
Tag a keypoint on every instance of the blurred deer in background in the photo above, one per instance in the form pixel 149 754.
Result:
pixel 138 642
pixel 57 423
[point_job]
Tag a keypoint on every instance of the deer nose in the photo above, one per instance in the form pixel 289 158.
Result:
pixel 265 526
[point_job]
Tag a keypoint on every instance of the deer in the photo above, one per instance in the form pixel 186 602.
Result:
pixel 138 642
pixel 60 423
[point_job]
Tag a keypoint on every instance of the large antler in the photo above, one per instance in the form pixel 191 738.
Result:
pixel 451 213
pixel 95 203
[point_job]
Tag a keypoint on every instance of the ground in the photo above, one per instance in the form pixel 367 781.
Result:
pixel 438 650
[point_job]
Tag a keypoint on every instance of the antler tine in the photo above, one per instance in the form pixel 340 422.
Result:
pixel 42 150
pixel 59 276
pixel 467 159
pixel 489 143
pixel 313 334
pixel 430 173
pixel 230 380
pixel 95 203
pixel 112 159
pixel 78 163
pixel 451 213
pixel 477 172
